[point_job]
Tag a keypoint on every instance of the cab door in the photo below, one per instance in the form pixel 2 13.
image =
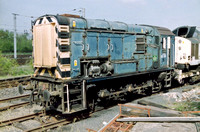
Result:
pixel 166 52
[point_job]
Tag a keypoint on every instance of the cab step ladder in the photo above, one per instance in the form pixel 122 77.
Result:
pixel 168 79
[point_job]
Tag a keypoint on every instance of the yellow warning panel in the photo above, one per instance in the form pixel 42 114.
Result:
pixel 75 62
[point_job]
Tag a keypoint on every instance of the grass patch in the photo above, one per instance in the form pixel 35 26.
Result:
pixel 9 67
pixel 18 71
pixel 187 106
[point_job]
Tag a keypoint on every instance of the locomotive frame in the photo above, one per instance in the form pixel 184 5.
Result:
pixel 76 95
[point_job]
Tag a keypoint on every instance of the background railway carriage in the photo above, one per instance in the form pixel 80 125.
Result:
pixel 187 53
pixel 80 62
pixel 187 46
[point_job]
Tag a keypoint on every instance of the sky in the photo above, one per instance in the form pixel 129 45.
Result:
pixel 165 13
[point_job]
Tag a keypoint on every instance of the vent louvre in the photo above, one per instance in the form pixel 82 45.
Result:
pixel 140 43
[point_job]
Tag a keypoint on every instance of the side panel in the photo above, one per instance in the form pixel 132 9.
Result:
pixel 77 52
pixel 141 59
pixel 128 46
pixel 91 44
pixel 182 50
pixel 103 45
pixel 194 54
pixel 116 47
pixel 152 56
pixel 149 57
pixel 195 51
pixel 121 68
pixel 140 52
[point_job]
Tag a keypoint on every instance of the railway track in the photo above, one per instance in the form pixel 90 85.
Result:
pixel 20 119
pixel 13 106
pixel 50 122
pixel 54 123
pixel 14 98
pixel 50 125
pixel 36 116
pixel 14 81
pixel 44 126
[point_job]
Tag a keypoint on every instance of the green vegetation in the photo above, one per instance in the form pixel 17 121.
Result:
pixel 6 65
pixel 9 67
pixel 6 42
pixel 187 106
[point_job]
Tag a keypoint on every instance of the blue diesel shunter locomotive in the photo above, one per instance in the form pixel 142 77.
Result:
pixel 80 63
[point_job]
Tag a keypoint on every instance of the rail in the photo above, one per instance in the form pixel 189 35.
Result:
pixel 14 106
pixel 50 125
pixel 14 98
pixel 14 81
pixel 20 119
pixel 54 121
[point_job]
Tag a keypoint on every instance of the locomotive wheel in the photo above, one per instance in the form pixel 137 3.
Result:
pixel 105 102
pixel 182 82
pixel 148 91
pixel 91 104
pixel 187 68
pixel 91 100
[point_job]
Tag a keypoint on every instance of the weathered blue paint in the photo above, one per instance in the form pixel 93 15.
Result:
pixel 129 46
pixel 103 45
pixel 97 24
pixel 80 23
pixel 118 26
pixel 100 38
pixel 91 46
pixel 76 50
pixel 121 68
pixel 116 47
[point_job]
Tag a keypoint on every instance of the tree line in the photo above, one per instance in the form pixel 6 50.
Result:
pixel 24 44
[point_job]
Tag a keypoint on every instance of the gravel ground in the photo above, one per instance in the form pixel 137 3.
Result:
pixel 95 122
pixel 30 124
pixel 14 113
pixel 184 93
pixel 10 129
pixel 10 92
pixel 100 118
pixel 18 112
pixel 9 114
